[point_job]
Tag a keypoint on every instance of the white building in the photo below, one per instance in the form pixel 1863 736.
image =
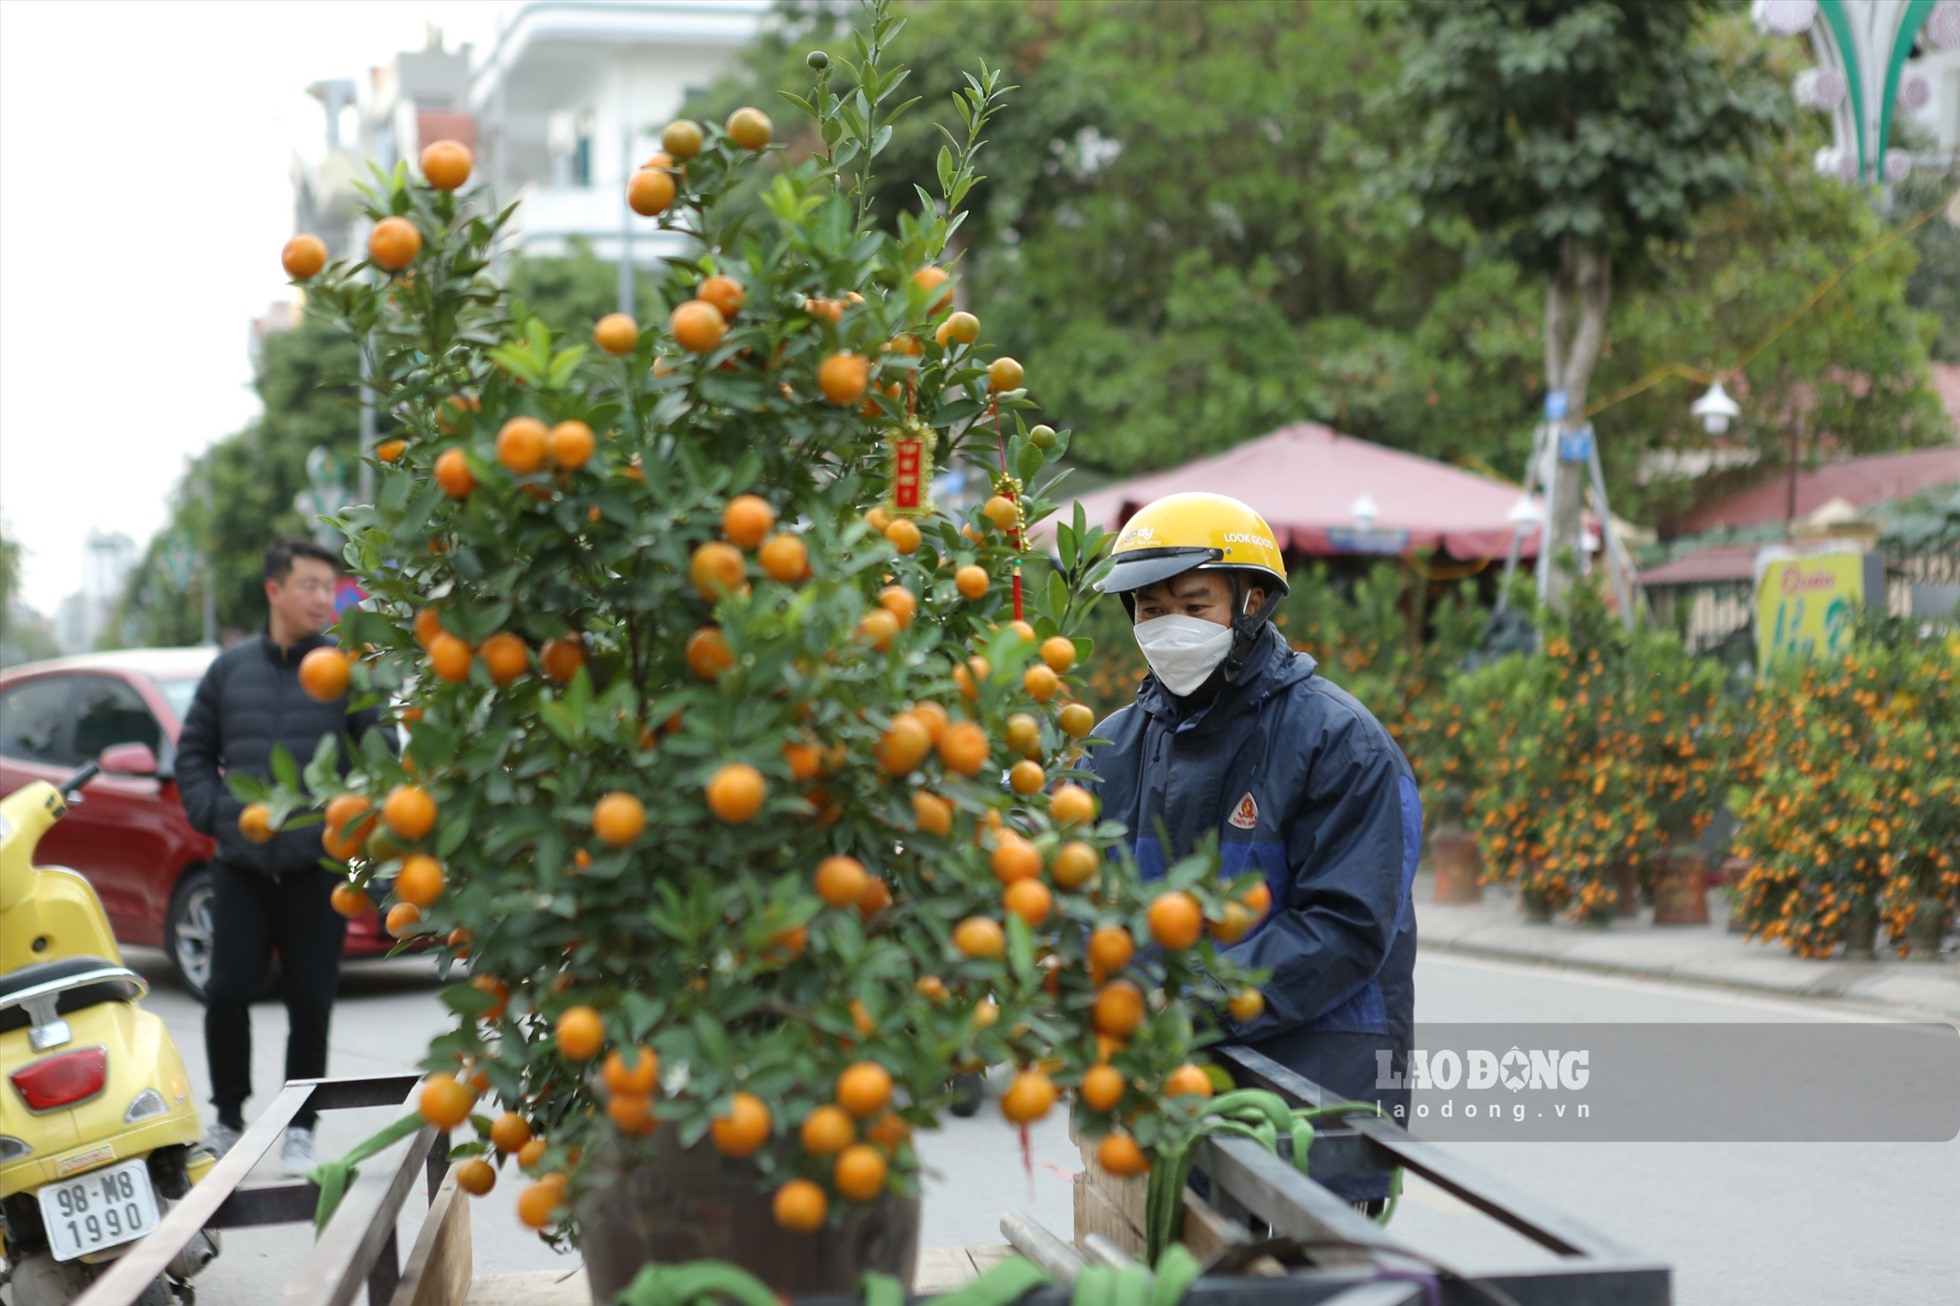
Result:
pixel 417 97
pixel 570 98
pixel 567 101
pixel 84 617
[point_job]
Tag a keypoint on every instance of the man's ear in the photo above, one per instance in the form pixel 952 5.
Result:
pixel 1255 599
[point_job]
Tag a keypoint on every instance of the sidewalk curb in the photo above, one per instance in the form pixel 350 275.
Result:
pixel 1940 1008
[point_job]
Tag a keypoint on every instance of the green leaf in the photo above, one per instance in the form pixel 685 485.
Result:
pixel 322 772
pixel 713 1041
pixel 1056 597
pixel 467 1000
pixel 1020 950
pixel 284 771
pixel 563 365
pixel 518 361
pixel 247 788
pixel 1027 460
pixel 455 831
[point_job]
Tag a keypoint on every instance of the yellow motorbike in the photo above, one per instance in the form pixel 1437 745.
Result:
pixel 98 1123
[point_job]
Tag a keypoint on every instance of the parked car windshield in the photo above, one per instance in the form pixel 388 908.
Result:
pixel 178 694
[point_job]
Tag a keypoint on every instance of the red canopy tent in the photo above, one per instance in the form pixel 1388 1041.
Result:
pixel 1305 480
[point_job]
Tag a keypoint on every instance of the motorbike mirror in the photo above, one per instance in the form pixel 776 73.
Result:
pixel 129 759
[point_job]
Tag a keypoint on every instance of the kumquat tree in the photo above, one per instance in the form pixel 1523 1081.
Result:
pixel 739 774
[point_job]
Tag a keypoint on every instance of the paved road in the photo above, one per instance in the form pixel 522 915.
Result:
pixel 1740 1222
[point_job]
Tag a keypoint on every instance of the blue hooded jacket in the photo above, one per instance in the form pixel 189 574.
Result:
pixel 1302 784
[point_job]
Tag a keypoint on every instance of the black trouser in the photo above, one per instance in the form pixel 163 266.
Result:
pixel 251 914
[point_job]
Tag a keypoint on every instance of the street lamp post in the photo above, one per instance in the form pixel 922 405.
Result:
pixel 1715 409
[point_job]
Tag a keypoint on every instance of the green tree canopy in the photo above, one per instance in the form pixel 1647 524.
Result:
pixel 1846 377
pixel 1186 236
pixel 1604 124
pixel 18 642
pixel 1579 134
pixel 572 292
pixel 1174 233
pixel 1935 284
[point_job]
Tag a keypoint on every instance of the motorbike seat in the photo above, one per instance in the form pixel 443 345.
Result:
pixel 15 982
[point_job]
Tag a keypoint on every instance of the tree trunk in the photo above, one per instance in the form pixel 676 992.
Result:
pixel 1577 297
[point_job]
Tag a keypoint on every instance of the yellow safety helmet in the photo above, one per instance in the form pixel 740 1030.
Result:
pixel 1182 532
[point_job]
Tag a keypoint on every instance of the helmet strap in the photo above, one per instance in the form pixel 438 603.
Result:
pixel 1245 625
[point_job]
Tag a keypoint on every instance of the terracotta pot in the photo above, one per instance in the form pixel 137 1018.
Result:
pixel 1681 888
pixel 1860 934
pixel 1625 879
pixel 1929 922
pixel 671 1204
pixel 1459 868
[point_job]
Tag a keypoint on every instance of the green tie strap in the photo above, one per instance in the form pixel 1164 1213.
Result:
pixel 333 1177
pixel 883 1290
pixel 696 1281
pixel 1246 1113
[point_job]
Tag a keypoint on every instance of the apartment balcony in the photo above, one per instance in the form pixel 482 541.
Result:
pixel 550 218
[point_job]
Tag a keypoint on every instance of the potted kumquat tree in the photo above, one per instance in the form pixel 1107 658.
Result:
pixel 738 774
pixel 1847 802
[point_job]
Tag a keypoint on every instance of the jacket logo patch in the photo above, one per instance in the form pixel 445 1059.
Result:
pixel 1246 815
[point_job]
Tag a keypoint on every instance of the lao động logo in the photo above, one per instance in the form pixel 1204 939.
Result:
pixel 1479 1069
pixel 1515 1085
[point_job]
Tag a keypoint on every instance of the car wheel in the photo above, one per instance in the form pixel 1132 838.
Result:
pixel 187 931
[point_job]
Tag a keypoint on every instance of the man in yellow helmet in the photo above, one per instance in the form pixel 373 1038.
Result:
pixel 1234 734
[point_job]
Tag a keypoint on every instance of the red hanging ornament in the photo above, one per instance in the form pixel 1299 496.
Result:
pixel 911 445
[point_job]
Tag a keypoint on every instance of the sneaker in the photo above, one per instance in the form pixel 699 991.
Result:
pixel 297 1158
pixel 221 1138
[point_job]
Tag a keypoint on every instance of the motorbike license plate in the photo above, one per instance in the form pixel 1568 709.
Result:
pixel 102 1208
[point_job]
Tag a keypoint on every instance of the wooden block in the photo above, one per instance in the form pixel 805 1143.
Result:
pixel 1126 1194
pixel 538 1288
pixel 439 1265
pixel 1096 1213
pixel 988 1255
pixel 942 1269
pixel 1115 1208
pixel 1206 1232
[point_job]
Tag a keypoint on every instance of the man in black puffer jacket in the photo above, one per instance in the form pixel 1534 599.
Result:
pixel 273 894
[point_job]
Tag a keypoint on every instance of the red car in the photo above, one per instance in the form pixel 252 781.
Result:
pixel 128 835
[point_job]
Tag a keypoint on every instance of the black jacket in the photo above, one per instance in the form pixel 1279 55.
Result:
pixel 249 702
pixel 1301 783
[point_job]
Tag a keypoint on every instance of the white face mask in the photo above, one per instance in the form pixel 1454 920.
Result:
pixel 1183 651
